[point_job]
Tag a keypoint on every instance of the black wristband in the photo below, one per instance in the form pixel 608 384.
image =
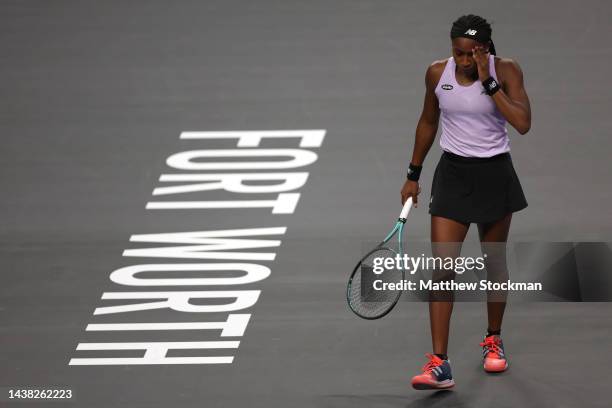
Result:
pixel 414 172
pixel 490 86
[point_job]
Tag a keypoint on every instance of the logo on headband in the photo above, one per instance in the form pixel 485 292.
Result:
pixel 470 32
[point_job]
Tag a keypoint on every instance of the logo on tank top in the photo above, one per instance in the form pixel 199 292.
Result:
pixel 447 87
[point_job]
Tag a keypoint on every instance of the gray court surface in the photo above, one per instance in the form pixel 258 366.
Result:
pixel 94 98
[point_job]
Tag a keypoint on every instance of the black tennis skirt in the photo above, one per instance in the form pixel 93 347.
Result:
pixel 474 189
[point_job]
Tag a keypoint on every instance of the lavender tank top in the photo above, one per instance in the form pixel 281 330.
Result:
pixel 472 126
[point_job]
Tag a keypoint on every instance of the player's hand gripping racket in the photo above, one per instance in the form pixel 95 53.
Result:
pixel 363 299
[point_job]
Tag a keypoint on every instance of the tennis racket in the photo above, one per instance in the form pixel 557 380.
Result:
pixel 363 298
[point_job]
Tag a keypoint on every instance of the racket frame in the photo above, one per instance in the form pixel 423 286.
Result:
pixel 398 228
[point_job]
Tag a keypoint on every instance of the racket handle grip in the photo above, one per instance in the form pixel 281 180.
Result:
pixel 406 209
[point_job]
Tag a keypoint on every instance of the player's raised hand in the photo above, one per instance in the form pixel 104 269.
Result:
pixel 481 56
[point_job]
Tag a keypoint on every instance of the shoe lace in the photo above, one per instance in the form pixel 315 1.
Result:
pixel 434 361
pixel 492 344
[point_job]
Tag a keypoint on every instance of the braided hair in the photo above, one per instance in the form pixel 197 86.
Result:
pixel 473 27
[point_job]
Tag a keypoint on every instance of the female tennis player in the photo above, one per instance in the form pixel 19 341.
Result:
pixel 477 92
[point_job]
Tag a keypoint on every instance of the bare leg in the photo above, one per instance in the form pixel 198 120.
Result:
pixel 444 230
pixel 497 270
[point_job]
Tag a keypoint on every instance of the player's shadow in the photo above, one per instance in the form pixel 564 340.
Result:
pixel 445 398
pixel 442 398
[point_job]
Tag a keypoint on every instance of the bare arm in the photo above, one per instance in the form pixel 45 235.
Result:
pixel 427 126
pixel 512 100
pixel 426 130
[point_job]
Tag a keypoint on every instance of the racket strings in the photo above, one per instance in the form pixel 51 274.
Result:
pixel 369 295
